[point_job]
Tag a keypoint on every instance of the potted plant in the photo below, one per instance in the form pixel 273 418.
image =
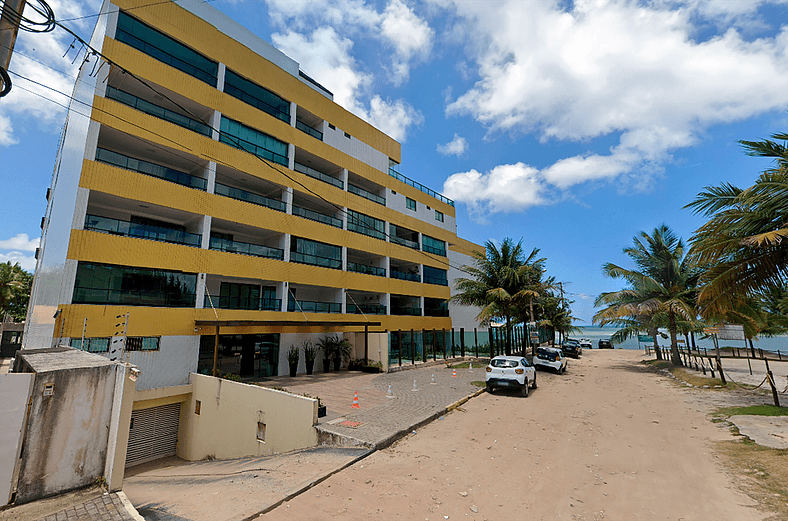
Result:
pixel 293 355
pixel 342 350
pixel 326 345
pixel 355 364
pixel 310 354
pixel 321 409
pixel 372 367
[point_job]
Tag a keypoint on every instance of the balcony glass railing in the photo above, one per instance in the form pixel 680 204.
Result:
pixel 365 229
pixel 436 312
pixel 303 127
pixel 396 274
pixel 434 250
pixel 414 312
pixel 366 309
pixel 254 304
pixel 159 112
pixel 393 173
pixel 316 260
pixel 152 298
pixel 311 172
pixel 141 231
pixel 317 216
pixel 249 197
pixel 245 248
pixel 405 242
pixel 314 307
pixel 366 269
pixel 441 281
pixel 353 189
pixel 143 167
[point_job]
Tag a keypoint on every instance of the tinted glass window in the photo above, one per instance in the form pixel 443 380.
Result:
pixel 256 96
pixel 504 363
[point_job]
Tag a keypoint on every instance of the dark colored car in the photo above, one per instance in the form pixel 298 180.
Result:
pixel 571 347
pixel 605 344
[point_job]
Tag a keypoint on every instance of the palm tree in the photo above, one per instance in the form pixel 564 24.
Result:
pixel 495 279
pixel 623 309
pixel 743 241
pixel 14 290
pixel 664 281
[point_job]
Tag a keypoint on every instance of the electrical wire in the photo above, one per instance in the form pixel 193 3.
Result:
pixel 28 24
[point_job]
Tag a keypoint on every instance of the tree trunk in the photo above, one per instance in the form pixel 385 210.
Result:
pixel 654 335
pixel 508 340
pixel 675 357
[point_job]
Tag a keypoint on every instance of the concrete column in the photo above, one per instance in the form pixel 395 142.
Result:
pixel 205 230
pixel 287 197
pixel 91 143
pixel 343 296
pixel 281 293
pixel 210 176
pixel 421 305
pixel 122 403
pixel 387 265
pixel 293 110
pixel 200 291
pixel 291 155
pixel 344 217
pixel 421 273
pixel 216 124
pixel 419 239
pixel 386 301
pixel 220 76
pixel 344 258
pixel 343 176
pixel 387 230
pixel 285 245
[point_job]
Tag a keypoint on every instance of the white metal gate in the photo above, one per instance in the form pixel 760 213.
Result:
pixel 153 434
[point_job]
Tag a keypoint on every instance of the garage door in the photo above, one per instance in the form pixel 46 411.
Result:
pixel 153 434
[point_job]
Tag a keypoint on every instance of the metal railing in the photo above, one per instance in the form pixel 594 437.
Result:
pixel 141 231
pixel 396 175
pixel 436 312
pixel 303 127
pixel 248 303
pixel 143 167
pixel 396 274
pixel 366 309
pixel 317 216
pixel 315 260
pixel 365 229
pixel 440 281
pixel 434 250
pixel 308 306
pixel 414 312
pixel 249 197
pixel 133 297
pixel 405 242
pixel 158 112
pixel 366 194
pixel 317 174
pixel 366 269
pixel 245 248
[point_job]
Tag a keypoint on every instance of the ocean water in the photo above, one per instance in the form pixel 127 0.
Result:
pixel 594 333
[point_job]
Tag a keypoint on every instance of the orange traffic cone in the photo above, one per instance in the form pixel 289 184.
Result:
pixel 355 401
pixel 454 373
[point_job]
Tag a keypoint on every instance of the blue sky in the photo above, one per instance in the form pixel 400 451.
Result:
pixel 570 125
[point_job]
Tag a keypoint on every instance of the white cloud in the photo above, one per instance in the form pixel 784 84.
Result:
pixel 20 242
pixel 410 36
pixel 455 147
pixel 27 263
pixel 327 57
pixel 606 67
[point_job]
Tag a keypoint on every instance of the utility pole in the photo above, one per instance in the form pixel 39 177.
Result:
pixel 9 28
pixel 560 333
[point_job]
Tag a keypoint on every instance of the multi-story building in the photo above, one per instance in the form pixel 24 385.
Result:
pixel 207 190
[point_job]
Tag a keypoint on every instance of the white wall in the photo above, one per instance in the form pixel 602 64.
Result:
pixel 170 365
pixel 355 148
pixel 14 392
pixel 461 316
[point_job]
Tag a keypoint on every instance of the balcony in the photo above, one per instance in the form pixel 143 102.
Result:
pixel 353 189
pixel 158 112
pixel 303 127
pixel 365 225
pixel 307 306
pixel 413 277
pixel 254 304
pixel 405 242
pixel 311 172
pixel 409 311
pixel 366 269
pixel 434 307
pixel 245 248
pixel 440 281
pixel 141 231
pixel 249 197
pixel 403 237
pixel 143 167
pixel 410 182
pixel 366 309
pixel 317 216
pixel 316 260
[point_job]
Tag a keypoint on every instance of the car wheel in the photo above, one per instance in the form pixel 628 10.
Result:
pixel 524 388
pixel 533 386
pixel 489 388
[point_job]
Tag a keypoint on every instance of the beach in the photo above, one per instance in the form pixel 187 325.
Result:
pixel 610 439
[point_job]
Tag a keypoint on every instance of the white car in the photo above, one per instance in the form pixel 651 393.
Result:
pixel 510 371
pixel 550 357
pixel 585 343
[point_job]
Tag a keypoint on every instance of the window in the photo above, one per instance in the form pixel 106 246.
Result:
pixel 142 343
pixel 157 45
pixel 438 216
pixel 435 276
pixel 239 296
pixel 256 96
pixel 435 307
pixel 366 225
pixel 331 126
pixel 347 135
pixel 253 141
pixel 108 284
pixel 410 204
pixel 432 245
pixel 304 251
pixel 92 345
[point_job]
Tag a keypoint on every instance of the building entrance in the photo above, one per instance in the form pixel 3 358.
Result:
pixel 243 355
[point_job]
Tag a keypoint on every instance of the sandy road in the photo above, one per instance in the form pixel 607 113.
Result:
pixel 605 441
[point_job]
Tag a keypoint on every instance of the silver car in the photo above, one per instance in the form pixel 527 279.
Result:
pixel 510 371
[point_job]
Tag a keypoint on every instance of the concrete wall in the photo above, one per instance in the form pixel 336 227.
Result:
pixel 378 347
pixel 170 365
pixel 67 432
pixel 14 392
pixel 227 424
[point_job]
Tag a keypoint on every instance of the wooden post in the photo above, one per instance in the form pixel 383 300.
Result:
pixel 452 342
pixel 413 347
pixel 424 345
pixel 770 377
pixel 748 362
pixel 399 343
pixel 719 360
pixel 366 344
pixel 216 352
pixel 476 341
pixel 462 342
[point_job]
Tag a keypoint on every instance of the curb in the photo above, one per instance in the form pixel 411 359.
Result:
pixel 129 507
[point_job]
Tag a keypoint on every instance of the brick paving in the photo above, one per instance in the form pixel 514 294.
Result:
pixel 108 507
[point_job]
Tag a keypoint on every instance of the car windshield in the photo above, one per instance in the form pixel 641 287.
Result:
pixel 544 354
pixel 503 363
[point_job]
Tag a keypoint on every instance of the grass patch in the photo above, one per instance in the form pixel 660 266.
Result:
pixel 697 379
pixel 753 410
pixel 479 383
pixel 761 472
pixel 659 364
